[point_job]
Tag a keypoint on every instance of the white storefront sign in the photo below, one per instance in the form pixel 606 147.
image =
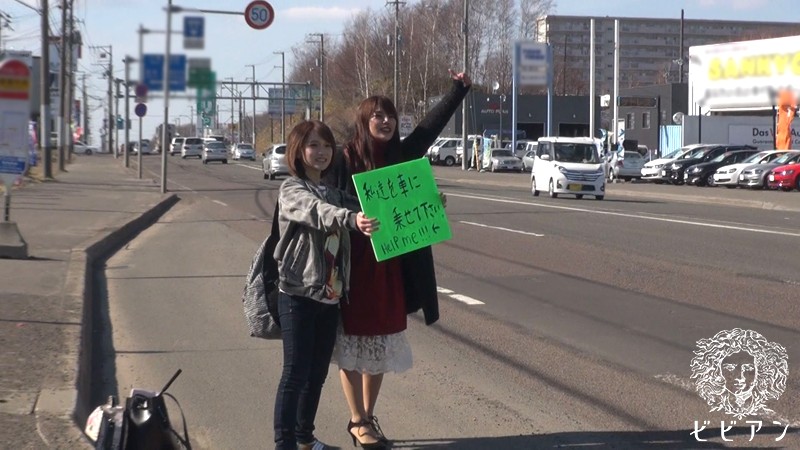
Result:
pixel 744 75
pixel 760 136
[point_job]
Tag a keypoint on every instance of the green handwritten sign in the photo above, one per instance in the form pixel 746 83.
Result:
pixel 405 199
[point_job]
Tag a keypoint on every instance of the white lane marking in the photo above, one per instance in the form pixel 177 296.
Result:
pixel 182 186
pixel 247 166
pixel 688 385
pixel 219 202
pixel 459 297
pixel 465 299
pixel 632 216
pixel 501 228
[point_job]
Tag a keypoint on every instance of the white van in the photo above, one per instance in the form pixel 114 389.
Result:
pixel 567 165
pixel 443 151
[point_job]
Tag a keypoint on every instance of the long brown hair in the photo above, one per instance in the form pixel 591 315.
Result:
pixel 296 143
pixel 358 152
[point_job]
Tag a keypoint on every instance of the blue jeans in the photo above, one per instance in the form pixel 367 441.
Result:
pixel 308 329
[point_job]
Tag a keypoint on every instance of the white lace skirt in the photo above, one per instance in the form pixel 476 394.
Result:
pixel 372 354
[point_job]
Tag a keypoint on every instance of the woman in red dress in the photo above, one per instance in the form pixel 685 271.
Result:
pixel 372 339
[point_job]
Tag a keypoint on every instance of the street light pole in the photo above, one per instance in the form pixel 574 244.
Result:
pixel 321 43
pixel 283 96
pixel 128 60
pixel 165 127
pixel 253 91
pixel 465 32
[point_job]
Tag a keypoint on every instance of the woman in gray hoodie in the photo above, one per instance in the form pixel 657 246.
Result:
pixel 313 256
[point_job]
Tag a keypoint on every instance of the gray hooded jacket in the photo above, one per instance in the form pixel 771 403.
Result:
pixel 307 214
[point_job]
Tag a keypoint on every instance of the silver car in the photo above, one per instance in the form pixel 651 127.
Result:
pixel 627 168
pixel 274 162
pixel 192 147
pixel 527 160
pixel 215 151
pixel 243 151
pixel 755 176
pixel 504 159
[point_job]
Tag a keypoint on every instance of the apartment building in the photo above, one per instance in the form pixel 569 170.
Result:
pixel 649 48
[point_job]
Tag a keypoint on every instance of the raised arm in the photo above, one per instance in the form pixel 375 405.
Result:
pixel 416 144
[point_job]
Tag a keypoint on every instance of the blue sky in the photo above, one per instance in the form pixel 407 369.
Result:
pixel 232 44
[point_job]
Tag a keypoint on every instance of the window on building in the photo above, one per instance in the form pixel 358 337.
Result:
pixel 630 121
pixel 646 120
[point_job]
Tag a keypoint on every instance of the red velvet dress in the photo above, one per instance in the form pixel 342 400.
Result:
pixel 376 302
pixel 372 337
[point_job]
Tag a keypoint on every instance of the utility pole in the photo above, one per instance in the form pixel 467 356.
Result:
pixel 86 132
pixel 44 88
pixel 396 4
pixel 465 32
pixel 128 60
pixel 253 91
pixel 70 144
pixel 117 82
pixel 109 71
pixel 62 87
pixel 321 43
pixel 283 96
pixel 680 54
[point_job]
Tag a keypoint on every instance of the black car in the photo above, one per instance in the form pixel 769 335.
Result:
pixel 703 174
pixel 704 154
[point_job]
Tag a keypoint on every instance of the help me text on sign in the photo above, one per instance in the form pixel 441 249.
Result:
pixel 405 199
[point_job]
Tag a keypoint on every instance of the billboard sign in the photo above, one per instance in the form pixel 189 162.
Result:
pixel 532 62
pixel 743 75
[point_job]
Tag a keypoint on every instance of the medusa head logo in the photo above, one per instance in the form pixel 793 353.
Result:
pixel 737 371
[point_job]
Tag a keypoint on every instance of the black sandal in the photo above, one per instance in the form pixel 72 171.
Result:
pixel 373 421
pixel 380 445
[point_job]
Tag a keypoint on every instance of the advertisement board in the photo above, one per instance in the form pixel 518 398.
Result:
pixel 760 136
pixel 743 75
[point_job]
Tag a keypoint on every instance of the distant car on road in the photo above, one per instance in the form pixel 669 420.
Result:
pixel 85 149
pixel 243 150
pixel 215 151
pixel 192 146
pixel 177 146
pixel 274 162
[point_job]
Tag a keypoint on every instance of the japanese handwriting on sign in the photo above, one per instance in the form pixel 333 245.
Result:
pixel 388 189
pixel 405 198
pixel 725 427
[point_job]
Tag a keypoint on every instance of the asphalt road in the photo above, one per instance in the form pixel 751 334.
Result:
pixel 564 322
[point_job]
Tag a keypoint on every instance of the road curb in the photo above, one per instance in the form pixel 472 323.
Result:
pixel 73 397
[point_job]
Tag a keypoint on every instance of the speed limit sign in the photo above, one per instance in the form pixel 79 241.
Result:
pixel 259 14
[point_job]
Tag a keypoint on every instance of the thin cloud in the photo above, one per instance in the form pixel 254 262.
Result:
pixel 739 5
pixel 318 13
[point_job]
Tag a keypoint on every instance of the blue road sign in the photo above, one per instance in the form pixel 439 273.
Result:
pixel 154 72
pixel 12 164
pixel 140 110
pixel 193 27
pixel 193 30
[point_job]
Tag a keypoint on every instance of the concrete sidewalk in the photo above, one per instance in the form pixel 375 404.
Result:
pixel 69 223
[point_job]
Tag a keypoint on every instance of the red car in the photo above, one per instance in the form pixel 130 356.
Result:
pixel 785 177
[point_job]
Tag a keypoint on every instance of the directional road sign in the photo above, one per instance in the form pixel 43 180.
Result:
pixel 193 30
pixel 154 72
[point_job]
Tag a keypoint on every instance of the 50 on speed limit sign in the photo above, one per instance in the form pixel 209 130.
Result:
pixel 259 14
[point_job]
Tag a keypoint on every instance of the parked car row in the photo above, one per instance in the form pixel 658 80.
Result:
pixel 727 165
